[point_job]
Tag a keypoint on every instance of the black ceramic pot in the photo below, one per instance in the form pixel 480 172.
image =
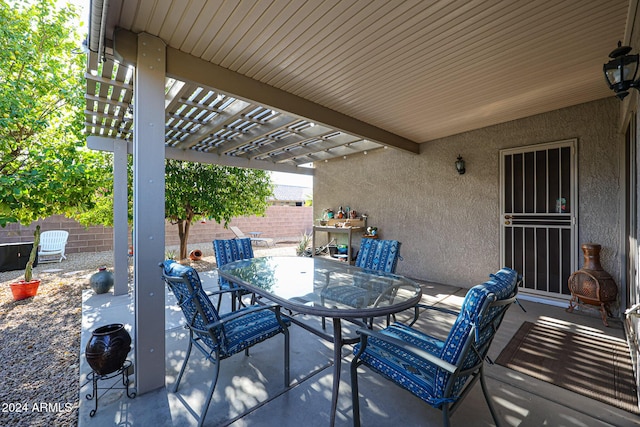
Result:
pixel 107 348
pixel 102 281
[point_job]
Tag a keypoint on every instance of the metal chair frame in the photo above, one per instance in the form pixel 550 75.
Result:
pixel 448 402
pixel 214 355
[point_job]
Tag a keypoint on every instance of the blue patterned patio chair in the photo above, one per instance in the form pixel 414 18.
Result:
pixel 374 254
pixel 228 251
pixel 220 336
pixel 381 255
pixel 440 373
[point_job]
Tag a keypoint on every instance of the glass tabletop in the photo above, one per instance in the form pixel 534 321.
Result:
pixel 324 287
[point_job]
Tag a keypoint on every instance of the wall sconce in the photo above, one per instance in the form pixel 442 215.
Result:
pixel 620 72
pixel 460 165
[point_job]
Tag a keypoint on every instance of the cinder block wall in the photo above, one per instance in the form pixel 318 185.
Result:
pixel 282 223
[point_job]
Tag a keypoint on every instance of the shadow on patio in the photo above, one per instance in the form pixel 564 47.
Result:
pixel 250 392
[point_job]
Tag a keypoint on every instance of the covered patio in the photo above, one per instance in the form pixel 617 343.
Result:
pixel 250 391
pixel 376 100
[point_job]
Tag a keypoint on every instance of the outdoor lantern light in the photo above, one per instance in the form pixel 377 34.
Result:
pixel 621 71
pixel 460 165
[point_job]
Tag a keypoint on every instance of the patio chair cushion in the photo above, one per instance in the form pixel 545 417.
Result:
pixel 236 334
pixel 363 293
pixel 410 372
pixel 381 255
pixel 219 337
pixel 250 329
pixel 186 300
pixel 228 251
pixel 419 376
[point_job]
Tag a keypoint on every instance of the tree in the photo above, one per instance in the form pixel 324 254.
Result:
pixel 197 190
pixel 44 167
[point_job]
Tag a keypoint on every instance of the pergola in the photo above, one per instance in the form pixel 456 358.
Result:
pixel 281 85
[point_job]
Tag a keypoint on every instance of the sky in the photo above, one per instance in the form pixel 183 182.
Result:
pixel 295 179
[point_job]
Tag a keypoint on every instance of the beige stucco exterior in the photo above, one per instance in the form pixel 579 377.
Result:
pixel 449 223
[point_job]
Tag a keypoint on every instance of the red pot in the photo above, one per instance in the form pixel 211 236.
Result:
pixel 195 255
pixel 23 290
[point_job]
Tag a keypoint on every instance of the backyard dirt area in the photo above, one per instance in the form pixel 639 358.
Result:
pixel 41 343
pixel 40 337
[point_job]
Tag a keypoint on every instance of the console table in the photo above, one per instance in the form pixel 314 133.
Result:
pixel 350 226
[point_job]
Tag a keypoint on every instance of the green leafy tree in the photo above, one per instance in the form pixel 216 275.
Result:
pixel 44 167
pixel 197 190
pixel 101 211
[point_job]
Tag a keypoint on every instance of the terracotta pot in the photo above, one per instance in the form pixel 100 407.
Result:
pixel 23 290
pixel 108 348
pixel 195 255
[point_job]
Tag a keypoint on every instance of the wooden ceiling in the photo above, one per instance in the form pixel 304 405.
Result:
pixel 412 69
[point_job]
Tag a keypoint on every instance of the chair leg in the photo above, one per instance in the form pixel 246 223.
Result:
pixel 487 398
pixel 232 295
pixel 219 302
pixel 287 380
pixel 446 420
pixel 211 389
pixel 184 364
pixel 355 398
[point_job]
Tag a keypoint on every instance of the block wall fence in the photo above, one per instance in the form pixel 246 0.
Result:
pixel 282 223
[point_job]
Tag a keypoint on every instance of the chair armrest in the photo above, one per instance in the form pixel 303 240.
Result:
pixel 410 348
pixel 441 309
pixel 417 308
pixel 220 292
pixel 240 313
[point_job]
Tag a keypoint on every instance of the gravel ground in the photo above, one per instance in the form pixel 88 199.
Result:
pixel 40 337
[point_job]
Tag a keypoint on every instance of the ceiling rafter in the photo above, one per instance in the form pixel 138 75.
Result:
pixel 211 122
pixel 298 139
pixel 213 125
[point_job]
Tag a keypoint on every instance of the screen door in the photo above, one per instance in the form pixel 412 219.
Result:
pixel 539 215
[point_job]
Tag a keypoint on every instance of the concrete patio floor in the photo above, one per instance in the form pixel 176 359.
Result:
pixel 250 390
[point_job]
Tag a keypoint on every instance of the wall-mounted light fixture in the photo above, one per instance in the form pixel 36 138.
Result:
pixel 620 73
pixel 460 165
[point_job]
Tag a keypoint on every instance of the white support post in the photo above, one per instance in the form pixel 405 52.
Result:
pixel 148 212
pixel 120 220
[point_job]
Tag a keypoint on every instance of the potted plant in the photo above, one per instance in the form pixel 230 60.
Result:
pixel 29 286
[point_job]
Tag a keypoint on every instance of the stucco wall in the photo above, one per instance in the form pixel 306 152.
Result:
pixel 448 223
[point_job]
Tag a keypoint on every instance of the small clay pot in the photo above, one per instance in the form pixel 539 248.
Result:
pixel 195 255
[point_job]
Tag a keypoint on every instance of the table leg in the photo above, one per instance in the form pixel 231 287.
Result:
pixel 337 366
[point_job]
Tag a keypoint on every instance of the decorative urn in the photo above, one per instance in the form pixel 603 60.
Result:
pixel 102 281
pixel 108 348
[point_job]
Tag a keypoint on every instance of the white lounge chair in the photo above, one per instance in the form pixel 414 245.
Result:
pixel 240 235
pixel 52 245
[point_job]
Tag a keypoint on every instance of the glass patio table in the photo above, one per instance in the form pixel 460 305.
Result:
pixel 328 288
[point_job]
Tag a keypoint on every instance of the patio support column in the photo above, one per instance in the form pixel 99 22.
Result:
pixel 120 220
pixel 148 211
